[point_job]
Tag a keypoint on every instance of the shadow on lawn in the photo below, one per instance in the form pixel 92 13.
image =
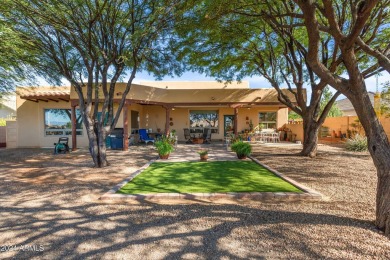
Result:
pixel 177 230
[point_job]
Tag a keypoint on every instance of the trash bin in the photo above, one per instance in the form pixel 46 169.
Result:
pixel 116 139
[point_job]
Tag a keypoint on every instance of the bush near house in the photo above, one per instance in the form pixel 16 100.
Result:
pixel 242 149
pixel 357 144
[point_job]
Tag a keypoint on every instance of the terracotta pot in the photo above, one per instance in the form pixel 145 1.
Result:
pixel 164 156
pixel 204 157
pixel 241 156
pixel 197 140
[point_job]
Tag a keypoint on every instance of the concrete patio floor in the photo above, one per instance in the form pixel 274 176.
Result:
pixel 189 153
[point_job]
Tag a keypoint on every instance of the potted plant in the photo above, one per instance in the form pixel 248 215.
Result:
pixel 242 149
pixel 164 147
pixel 203 155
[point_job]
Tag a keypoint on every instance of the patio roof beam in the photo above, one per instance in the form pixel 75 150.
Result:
pixel 28 99
pixel 74 134
pixel 167 117
pixel 125 110
pixel 235 127
pixel 195 104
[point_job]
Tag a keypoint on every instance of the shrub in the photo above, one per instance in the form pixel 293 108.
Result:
pixel 203 152
pixel 357 144
pixel 2 122
pixel 241 148
pixel 164 146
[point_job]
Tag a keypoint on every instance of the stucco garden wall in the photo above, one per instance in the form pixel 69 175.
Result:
pixel 3 136
pixel 337 125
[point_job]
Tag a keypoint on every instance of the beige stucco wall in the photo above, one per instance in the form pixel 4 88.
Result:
pixel 31 124
pixel 3 135
pixel 386 125
pixel 344 122
pixel 31 120
pixel 180 118
pixel 195 84
pixel 297 130
pixel 6 112
pixel 12 134
pixel 337 124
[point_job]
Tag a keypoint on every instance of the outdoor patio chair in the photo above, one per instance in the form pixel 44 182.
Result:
pixel 144 137
pixel 62 145
pixel 207 135
pixel 187 135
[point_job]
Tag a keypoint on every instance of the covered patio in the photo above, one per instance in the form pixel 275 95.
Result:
pixel 161 110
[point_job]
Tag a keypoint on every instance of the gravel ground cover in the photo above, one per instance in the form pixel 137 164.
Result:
pixel 51 202
pixel 217 176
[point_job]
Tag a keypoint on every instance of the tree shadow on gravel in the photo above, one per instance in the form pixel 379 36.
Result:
pixel 176 231
pixel 57 215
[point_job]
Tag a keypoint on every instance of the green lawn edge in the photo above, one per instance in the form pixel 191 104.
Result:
pixel 206 177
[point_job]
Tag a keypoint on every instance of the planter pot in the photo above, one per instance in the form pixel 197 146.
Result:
pixel 241 156
pixel 164 156
pixel 204 157
pixel 197 140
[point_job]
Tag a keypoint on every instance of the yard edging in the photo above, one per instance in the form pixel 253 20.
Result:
pixel 308 195
pixel 117 187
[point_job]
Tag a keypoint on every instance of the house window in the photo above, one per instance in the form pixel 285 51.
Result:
pixel 58 122
pixel 200 119
pixel 267 120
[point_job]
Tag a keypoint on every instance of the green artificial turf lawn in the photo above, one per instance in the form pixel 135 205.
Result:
pixel 221 176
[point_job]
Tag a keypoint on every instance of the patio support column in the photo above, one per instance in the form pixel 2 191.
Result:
pixel 74 121
pixel 125 127
pixel 235 120
pixel 167 117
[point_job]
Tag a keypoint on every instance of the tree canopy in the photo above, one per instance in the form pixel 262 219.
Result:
pixel 94 44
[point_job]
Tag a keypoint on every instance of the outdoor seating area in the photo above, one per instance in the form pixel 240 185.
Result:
pixel 265 137
pixel 258 136
pixel 197 138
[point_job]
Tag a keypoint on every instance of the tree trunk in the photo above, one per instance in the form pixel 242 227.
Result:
pixel 97 146
pixel 310 138
pixel 102 148
pixel 379 147
pixel 383 201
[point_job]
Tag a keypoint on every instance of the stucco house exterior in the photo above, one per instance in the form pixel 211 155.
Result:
pixel 45 113
pixel 7 107
pixel 346 106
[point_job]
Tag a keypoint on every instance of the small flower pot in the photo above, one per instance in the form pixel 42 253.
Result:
pixel 204 158
pixel 241 156
pixel 164 157
pixel 197 140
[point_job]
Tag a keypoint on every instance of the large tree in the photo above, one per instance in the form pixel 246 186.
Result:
pixel 229 41
pixel 327 95
pixel 94 44
pixel 358 30
pixel 12 51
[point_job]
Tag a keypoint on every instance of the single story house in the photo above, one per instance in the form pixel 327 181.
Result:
pixel 7 107
pixel 45 113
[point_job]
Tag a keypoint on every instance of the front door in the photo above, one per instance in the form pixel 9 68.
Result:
pixel 228 124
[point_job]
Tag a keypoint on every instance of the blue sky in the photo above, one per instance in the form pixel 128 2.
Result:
pixel 254 82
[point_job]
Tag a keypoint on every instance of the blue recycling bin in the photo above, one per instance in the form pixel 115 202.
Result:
pixel 116 139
